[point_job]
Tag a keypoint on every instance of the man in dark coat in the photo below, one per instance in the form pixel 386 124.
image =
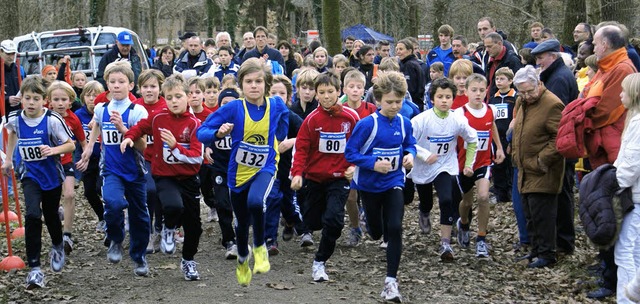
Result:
pixel 11 74
pixel 123 51
pixel 501 56
pixel 558 79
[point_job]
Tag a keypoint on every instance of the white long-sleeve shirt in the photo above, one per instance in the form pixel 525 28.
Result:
pixel 627 169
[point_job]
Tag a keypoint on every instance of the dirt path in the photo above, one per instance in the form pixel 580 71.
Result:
pixel 356 274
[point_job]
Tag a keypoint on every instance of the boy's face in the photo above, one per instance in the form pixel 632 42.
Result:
pixel 503 83
pixel 477 91
pixel 327 95
pixel 306 93
pixel 460 81
pixel 354 90
pixel 59 101
pixel 79 81
pixel 445 41
pixel 119 86
pixel 211 97
pixel 89 100
pixel 443 99
pixel 278 89
pixel 390 104
pixel 211 51
pixel 339 67
pixel 253 86
pixel 177 100
pixel 32 104
pixel 150 91
pixel 435 74
pixel 225 57
pixel 195 96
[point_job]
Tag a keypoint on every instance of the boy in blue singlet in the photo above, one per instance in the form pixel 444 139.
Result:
pixel 41 136
pixel 124 184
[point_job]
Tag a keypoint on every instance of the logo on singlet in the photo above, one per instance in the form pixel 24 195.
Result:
pixel 38 131
pixel 257 139
pixel 345 127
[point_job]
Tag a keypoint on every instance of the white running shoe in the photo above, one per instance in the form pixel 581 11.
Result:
pixel 68 244
pixel 101 227
pixel 212 216
pixel 482 249
pixel 232 251
pixel 57 257
pixel 35 278
pixel 384 245
pixel 391 293
pixel 306 240
pixel 167 242
pixel 141 269
pixel 318 273
pixel 189 270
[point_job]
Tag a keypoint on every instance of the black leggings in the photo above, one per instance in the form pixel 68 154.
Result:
pixel 92 185
pixel 448 208
pixel 50 199
pixel 384 211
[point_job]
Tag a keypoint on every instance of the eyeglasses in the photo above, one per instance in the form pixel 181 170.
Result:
pixel 530 93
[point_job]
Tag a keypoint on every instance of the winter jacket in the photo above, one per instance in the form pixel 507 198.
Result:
pixel 272 54
pixel 410 67
pixel 11 86
pixel 369 71
pixel 166 69
pixel 573 126
pixel 291 65
pixel 603 205
pixel 114 55
pixel 506 58
pixel 439 55
pixel 541 167
pixel 559 79
pixel 201 66
pixel 628 171
pixel 608 116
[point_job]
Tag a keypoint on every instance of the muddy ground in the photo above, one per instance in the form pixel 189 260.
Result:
pixel 356 274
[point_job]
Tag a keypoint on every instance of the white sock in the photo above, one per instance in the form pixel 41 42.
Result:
pixel 389 280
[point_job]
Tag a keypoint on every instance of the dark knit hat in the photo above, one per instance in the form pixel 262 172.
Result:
pixel 228 93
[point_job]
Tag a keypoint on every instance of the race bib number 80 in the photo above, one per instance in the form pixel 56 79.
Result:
pixel 332 142
pixel 253 156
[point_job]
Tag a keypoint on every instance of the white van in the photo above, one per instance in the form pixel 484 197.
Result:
pixel 85 46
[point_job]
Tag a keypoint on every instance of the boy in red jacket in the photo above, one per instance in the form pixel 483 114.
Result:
pixel 178 155
pixel 319 155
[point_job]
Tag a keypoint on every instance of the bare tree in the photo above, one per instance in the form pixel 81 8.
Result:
pixel 330 13
pixel 10 25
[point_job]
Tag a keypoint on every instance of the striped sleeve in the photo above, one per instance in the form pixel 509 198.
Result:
pixel 58 129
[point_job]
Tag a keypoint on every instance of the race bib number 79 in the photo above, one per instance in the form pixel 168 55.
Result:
pixel 440 145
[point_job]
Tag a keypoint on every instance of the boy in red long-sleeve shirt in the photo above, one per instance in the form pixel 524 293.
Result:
pixel 319 156
pixel 178 155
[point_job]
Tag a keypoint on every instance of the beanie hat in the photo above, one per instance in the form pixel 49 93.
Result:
pixel 228 93
pixel 47 69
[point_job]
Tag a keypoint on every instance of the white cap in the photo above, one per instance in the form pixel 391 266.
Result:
pixel 8 46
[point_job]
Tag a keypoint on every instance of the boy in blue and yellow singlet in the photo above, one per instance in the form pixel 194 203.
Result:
pixel 41 136
pixel 256 125
pixel 124 184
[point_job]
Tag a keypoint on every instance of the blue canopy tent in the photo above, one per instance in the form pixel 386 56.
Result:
pixel 365 34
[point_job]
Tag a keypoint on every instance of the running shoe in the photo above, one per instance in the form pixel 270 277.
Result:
pixel 390 292
pixel 446 252
pixel 288 232
pixel 212 216
pixel 353 237
pixel 114 254
pixel 272 248
pixel 318 273
pixel 68 244
pixel 383 245
pixel 142 268
pixel 482 249
pixel 463 235
pixel 57 257
pixel 167 241
pixel 231 251
pixel 243 272
pixel 306 240
pixel 101 227
pixel 362 217
pixel 261 260
pixel 35 278
pixel 154 243
pixel 425 222
pixel 189 270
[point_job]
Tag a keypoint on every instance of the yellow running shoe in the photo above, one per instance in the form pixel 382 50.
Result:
pixel 243 273
pixel 261 260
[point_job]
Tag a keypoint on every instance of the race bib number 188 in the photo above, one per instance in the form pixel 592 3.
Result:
pixel 30 149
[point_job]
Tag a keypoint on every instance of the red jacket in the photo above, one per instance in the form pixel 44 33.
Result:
pixel 152 109
pixel 573 126
pixel 74 124
pixel 336 126
pixel 185 158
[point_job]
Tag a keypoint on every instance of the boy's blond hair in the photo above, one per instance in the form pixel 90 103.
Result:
pixel 340 59
pixel 229 81
pixel 198 82
pixel 475 77
pixel 354 76
pixel 212 83
pixel 64 86
pixel 461 67
pixel 505 71
pixel 123 67
pixel 91 87
pixel 389 64
pixel 306 77
pixel 176 81
pixel 34 84
pixel 148 74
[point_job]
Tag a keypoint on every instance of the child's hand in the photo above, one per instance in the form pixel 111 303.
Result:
pixel 407 161
pixel 207 154
pixel 348 174
pixel 224 130
pixel 432 159
pixel 46 150
pixel 127 142
pixel 467 171
pixel 499 156
pixel 296 183
pixel 382 166
pixel 116 119
pixel 168 138
pixel 286 144
pixel 6 168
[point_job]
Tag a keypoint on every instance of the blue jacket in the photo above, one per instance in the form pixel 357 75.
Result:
pixel 378 137
pixel 559 79
pixel 219 71
pixel 272 54
pixel 439 55
pixel 201 66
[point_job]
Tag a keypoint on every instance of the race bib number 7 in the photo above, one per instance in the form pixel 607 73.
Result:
pixel 332 142
pixel 254 156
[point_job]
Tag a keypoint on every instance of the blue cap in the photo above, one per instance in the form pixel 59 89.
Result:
pixel 551 45
pixel 125 38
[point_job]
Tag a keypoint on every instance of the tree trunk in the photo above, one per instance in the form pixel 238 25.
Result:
pixel 134 16
pixel 212 12
pixel 97 11
pixel 594 11
pixel 231 17
pixel 10 25
pixel 153 35
pixel 317 14
pixel 440 8
pixel 618 10
pixel 414 23
pixel 575 11
pixel 330 14
pixel 259 11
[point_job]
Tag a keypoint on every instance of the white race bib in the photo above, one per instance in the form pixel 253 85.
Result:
pixel 502 111
pixel 223 143
pixel 110 134
pixel 167 154
pixel 483 140
pixel 149 139
pixel 254 156
pixel 440 145
pixel 332 142
pixel 30 149
pixel 391 154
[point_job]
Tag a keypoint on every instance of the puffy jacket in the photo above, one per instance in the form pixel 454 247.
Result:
pixel 200 67
pixel 114 55
pixel 573 126
pixel 603 205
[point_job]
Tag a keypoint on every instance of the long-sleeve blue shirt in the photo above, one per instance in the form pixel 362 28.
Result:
pixel 379 137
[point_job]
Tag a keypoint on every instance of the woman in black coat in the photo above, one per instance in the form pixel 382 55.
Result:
pixel 165 61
